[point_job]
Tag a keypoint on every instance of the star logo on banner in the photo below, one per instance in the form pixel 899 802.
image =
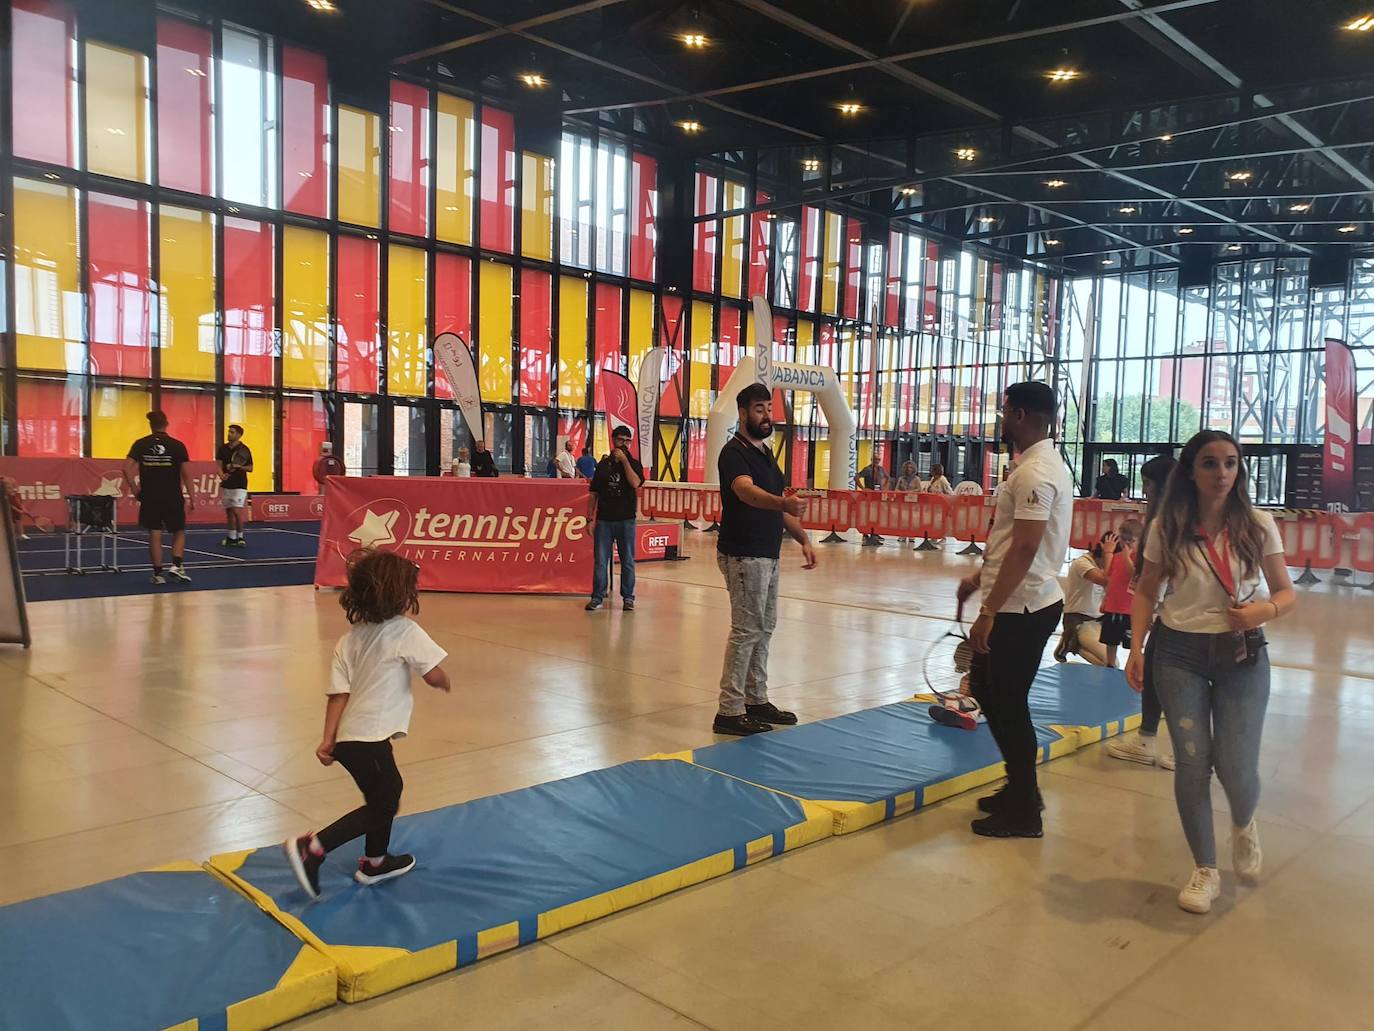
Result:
pixel 375 530
pixel 111 486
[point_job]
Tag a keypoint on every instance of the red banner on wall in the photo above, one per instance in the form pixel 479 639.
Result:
pixel 488 536
pixel 44 483
pixel 276 508
pixel 1338 460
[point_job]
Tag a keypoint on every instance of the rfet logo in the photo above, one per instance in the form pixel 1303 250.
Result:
pixel 536 535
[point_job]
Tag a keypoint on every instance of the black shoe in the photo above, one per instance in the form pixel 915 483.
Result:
pixel 738 726
pixel 239 542
pixel 770 713
pixel 629 605
pixel 1006 824
pixel 592 605
pixel 997 802
pixel 227 542
pixel 390 866
pixel 304 864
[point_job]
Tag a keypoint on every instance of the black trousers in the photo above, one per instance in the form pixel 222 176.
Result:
pixel 373 768
pixel 1001 682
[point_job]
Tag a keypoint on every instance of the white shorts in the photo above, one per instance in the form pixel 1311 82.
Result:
pixel 235 497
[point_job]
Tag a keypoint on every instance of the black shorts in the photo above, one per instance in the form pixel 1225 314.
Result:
pixel 1116 629
pixel 162 513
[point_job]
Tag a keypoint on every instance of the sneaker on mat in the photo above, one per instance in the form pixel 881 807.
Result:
pixel 180 573
pixel 1202 889
pixel 1138 748
pixel 1245 851
pixel 767 712
pixel 738 726
pixel 305 864
pixel 390 866
pixel 947 716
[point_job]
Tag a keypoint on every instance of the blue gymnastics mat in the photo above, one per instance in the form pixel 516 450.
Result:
pixel 503 871
pixel 1090 702
pixel 169 948
pixel 869 766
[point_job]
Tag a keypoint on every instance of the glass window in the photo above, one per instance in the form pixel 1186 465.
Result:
pixel 703 361
pixel 119 273
pixel 641 329
pixel 116 112
pixel 705 234
pixel 256 414
pixel 670 335
pixel 498 180
pixel 853 267
pixel 408 440
pixel 452 308
pixel 643 216
pixel 732 261
pixel 191 419
pixel 730 346
pixel 454 171
pixel 785 267
pixel 249 316
pixel 360 157
pixel 406 323
pixel 49 417
pixel 305 308
pixel 612 206
pixel 305 139
pixel 118 418
pixel 499 438
pixel 575 202
pixel 43 83
pixel 248 118
pixel 830 275
pixel 572 342
pixel 49 316
pixel 536 224
pixel 185 115
pixel 408 190
pixel 609 299
pixel 305 426
pixel 187 333
pixel 359 318
pixel 810 258
pixel 536 341
pixel 360 431
pixel 760 237
pixel 494 332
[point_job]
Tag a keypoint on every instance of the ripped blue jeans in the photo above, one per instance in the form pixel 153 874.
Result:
pixel 1216 718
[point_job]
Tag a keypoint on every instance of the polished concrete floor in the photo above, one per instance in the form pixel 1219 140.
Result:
pixel 145 729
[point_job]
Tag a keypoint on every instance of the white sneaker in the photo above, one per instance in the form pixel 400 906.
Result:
pixel 1245 851
pixel 1136 749
pixel 1166 761
pixel 1202 889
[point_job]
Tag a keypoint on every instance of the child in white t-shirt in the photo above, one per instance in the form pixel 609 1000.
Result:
pixel 369 705
pixel 1083 591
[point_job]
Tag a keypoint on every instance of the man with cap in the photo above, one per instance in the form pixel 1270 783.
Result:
pixel 612 504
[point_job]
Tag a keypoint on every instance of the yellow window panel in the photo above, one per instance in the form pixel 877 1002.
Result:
pixel 668 460
pixel 494 332
pixel 305 308
pixel 187 331
pixel 454 171
pixel 406 326
pixel 820 468
pixel 118 418
pixel 732 254
pixel 49 310
pixel 360 163
pixel 257 413
pixel 536 223
pixel 830 271
pixel 572 342
pixel 641 329
pixel 116 112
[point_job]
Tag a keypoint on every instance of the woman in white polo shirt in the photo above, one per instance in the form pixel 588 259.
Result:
pixel 1210 546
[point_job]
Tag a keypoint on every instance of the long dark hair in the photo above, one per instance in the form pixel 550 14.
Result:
pixel 381 586
pixel 1178 515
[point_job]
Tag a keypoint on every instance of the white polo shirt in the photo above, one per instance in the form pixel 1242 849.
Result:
pixel 1039 488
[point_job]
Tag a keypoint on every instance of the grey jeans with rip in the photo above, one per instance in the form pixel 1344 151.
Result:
pixel 753 587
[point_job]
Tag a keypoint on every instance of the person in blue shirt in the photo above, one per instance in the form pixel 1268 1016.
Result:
pixel 586 465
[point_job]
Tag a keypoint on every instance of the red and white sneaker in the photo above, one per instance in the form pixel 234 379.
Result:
pixel 961 711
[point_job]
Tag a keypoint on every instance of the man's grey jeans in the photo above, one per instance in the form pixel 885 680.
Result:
pixel 753 587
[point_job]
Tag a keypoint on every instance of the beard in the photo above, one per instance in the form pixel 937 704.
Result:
pixel 761 430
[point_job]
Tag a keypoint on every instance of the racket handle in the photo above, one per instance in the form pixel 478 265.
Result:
pixel 959 611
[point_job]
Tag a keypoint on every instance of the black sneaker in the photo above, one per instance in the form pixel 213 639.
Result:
pixel 239 542
pixel 304 864
pixel 738 726
pixel 629 605
pixel 1009 825
pixel 996 802
pixel 770 713
pixel 390 866
pixel 227 542
pixel 592 605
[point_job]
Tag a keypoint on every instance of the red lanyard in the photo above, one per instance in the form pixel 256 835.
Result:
pixel 1221 562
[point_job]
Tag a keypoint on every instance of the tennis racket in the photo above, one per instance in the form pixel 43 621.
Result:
pixel 948 659
pixel 43 523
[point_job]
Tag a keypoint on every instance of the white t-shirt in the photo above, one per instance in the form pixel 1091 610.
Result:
pixel 1039 488
pixel 940 485
pixel 372 665
pixel 1081 595
pixel 567 465
pixel 461 468
pixel 1194 602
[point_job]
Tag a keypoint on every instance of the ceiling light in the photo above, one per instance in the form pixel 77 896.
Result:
pixel 450 207
pixel 306 175
pixel 987 220
pixel 397 128
pixel 533 80
pixel 1168 137
pixel 1304 206
pixel 51 175
pixel 856 239
pixel 1126 211
pixel 1240 177
pixel 116 131
pixel 693 40
pixel 197 72
pixel 1185 231
pixel 326 6
pixel 1106 261
pixel 1055 184
pixel 811 165
pixel 1062 75
pixel 689 126
pixel 1347 229
pixel 909 191
pixel 966 153
pixel 1233 247
pixel 1052 243
pixel 1363 23
pixel 850 108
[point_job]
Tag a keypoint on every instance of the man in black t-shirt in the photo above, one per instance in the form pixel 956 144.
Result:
pixel 1111 485
pixel 235 463
pixel 483 464
pixel 613 502
pixel 754 516
pixel 157 473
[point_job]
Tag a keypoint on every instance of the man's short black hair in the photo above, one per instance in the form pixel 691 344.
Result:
pixel 1033 398
pixel 1110 461
pixel 586 451
pixel 621 431
pixel 1157 470
pixel 753 392
pixel 157 419
pixel 236 426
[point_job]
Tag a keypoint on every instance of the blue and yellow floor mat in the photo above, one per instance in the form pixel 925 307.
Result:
pixel 169 948
pixel 503 871
pixel 1090 702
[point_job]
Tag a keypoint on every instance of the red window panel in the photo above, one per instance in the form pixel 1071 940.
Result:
pixel 801 461
pixel 41 52
pixel 825 346
pixel 781 326
pixel 185 128
pixel 452 308
pixel 191 416
pixel 49 415
pixel 575 429
pixel 644 216
pixel 853 266
pixel 409 187
pixel 696 451
pixel 930 316
pixel 305 426
pixel 497 226
pixel 609 299
pixel 731 345
pixel 305 139
pixel 893 284
pixel 120 287
pixel 809 261
pixel 706 235
pixel 249 345
pixel 760 239
pixel 355 352
pixel 536 337
pixel 670 399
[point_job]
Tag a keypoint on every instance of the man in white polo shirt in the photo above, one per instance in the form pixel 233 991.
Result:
pixel 1022 602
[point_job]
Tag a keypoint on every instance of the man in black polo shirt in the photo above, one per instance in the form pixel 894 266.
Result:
pixel 235 463
pixel 613 503
pixel 754 515
pixel 157 473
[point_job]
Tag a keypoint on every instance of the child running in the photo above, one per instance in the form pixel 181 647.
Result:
pixel 369 705
pixel 1116 603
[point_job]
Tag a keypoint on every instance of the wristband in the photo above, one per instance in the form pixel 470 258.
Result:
pixel 983 610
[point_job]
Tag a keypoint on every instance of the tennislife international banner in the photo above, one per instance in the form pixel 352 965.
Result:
pixel 455 358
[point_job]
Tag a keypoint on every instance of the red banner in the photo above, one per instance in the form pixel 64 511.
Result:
pixel 489 536
pixel 44 483
pixel 1338 462
pixel 277 508
pixel 622 403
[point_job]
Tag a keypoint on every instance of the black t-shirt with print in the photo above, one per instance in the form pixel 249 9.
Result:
pixel 238 454
pixel 746 531
pixel 159 459
pixel 616 500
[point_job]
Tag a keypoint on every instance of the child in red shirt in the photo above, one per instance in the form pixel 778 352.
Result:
pixel 1116 604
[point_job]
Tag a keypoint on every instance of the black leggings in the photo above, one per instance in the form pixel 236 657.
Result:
pixel 373 768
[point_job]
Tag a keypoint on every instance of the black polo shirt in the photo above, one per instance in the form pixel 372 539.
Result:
pixel 159 459
pixel 746 531
pixel 1111 486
